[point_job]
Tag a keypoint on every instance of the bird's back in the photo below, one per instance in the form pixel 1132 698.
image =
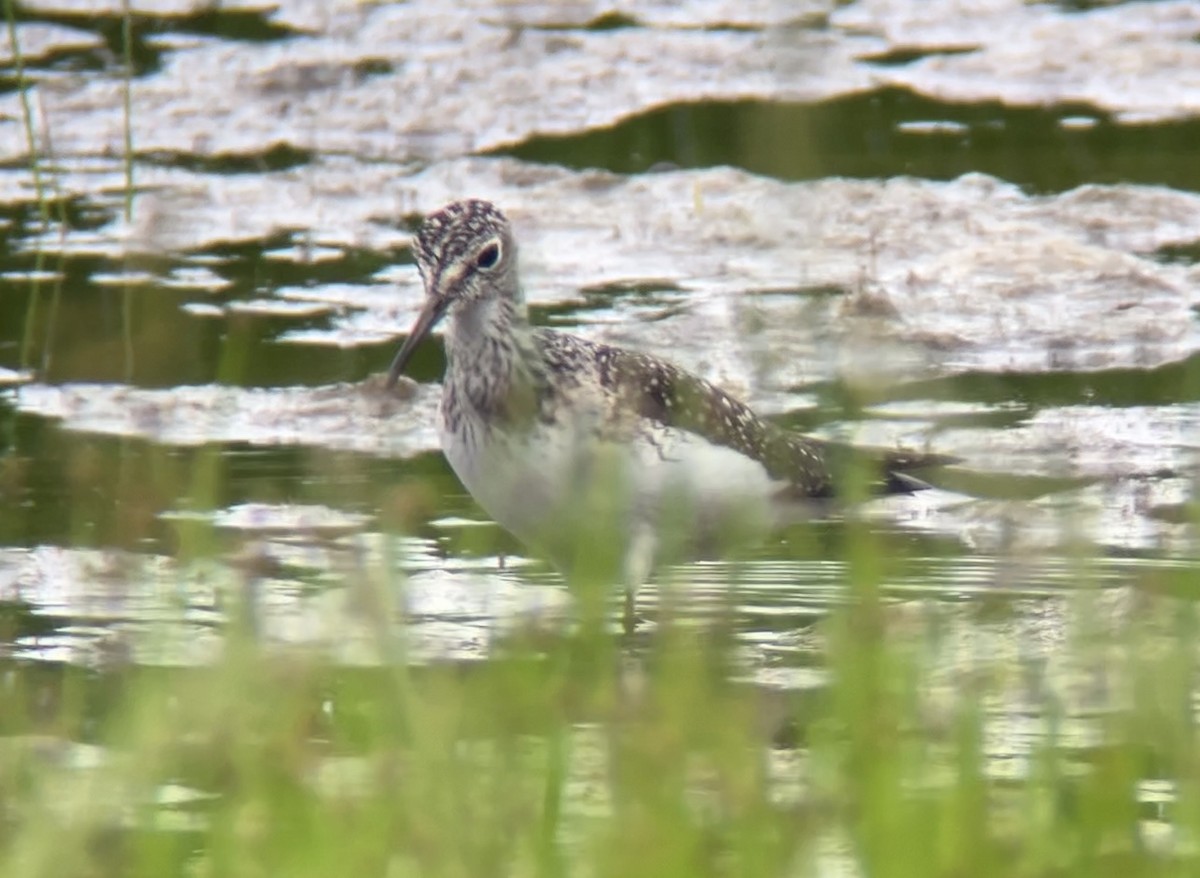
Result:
pixel 634 392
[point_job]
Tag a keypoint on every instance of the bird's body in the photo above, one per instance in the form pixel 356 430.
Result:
pixel 591 453
pixel 564 447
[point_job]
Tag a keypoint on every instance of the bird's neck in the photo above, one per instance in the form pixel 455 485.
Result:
pixel 491 360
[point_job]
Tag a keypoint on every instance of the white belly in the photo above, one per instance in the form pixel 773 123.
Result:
pixel 570 495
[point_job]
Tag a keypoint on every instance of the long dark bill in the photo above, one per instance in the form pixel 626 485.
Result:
pixel 426 320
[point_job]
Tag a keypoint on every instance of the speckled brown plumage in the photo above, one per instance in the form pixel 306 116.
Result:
pixel 524 409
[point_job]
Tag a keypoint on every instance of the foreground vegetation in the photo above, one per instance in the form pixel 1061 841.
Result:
pixel 571 752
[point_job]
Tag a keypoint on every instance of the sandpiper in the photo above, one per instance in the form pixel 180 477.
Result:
pixel 586 451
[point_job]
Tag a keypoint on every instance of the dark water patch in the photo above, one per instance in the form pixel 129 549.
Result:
pixel 565 314
pixel 1029 391
pixel 901 56
pixel 67 484
pixel 350 482
pixel 616 289
pixel 1089 5
pixel 20 619
pixel 1176 513
pixel 720 21
pixel 653 300
pixel 19 220
pixel 803 292
pixel 884 134
pixel 280 157
pixel 368 67
pixel 51 693
pixel 253 265
pixel 1186 254
pixel 70 59
pixel 146 337
pixel 106 333
pixel 608 21
pixel 315 365
pixel 112 322
pixel 60 486
pixel 238 25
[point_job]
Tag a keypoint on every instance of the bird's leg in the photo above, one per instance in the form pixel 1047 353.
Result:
pixel 639 561
pixel 629 614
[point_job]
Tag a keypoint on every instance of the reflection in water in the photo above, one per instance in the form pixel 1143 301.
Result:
pixel 310 579
pixel 304 581
pixel 243 482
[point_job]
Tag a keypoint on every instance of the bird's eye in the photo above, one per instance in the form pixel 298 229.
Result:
pixel 488 256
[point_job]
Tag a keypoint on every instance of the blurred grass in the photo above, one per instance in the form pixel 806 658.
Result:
pixel 570 752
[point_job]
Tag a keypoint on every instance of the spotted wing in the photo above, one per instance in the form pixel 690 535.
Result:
pixel 665 394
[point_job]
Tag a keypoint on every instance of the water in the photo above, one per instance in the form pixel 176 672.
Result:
pixel 187 423
pixel 176 360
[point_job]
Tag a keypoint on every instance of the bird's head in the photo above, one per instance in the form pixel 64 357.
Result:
pixel 466 254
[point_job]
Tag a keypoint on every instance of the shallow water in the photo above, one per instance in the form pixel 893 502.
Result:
pixel 188 418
